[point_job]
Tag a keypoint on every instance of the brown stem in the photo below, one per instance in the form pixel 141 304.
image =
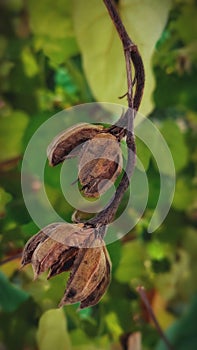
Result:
pixel 144 298
pixel 107 214
pixel 124 37
pixel 126 121
pixel 131 52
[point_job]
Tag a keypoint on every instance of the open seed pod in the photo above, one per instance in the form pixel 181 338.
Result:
pixel 68 140
pixel 100 164
pixel 63 247
pixel 90 276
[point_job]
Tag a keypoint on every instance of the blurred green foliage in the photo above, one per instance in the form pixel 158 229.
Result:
pixel 47 63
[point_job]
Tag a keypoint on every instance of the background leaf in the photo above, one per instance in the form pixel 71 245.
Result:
pixel 103 59
pixel 10 296
pixel 52 333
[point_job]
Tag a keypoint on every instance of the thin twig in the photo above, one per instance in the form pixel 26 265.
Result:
pixel 11 258
pixel 10 162
pixel 144 298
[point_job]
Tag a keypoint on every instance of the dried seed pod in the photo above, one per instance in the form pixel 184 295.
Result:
pixel 69 139
pixel 47 254
pixel 94 297
pixel 64 262
pixel 55 247
pixel 63 247
pixel 87 272
pixel 100 164
pixel 34 241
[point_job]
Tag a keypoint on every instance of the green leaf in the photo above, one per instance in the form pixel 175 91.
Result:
pixel 102 52
pixel 182 334
pixel 80 341
pixel 188 15
pixel 11 133
pixel 157 250
pixel 169 283
pixel 52 332
pixel 52 27
pixel 10 296
pixel 113 325
pixel 132 262
pixel 4 199
pixel 29 62
pixel 184 194
pixel 143 153
pixel 176 142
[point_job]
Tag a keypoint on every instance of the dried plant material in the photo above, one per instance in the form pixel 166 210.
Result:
pixel 47 254
pixel 69 139
pixel 87 272
pixel 64 263
pixel 34 241
pixel 88 262
pixel 135 341
pixel 81 216
pixel 100 164
pixel 94 297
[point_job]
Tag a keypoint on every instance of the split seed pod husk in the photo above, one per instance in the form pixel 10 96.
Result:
pixel 88 271
pixel 100 164
pixel 69 139
pixel 94 297
pixel 63 247
pixel 53 246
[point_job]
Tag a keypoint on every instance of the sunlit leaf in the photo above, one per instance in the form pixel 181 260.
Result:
pixel 113 325
pixel 30 64
pixel 52 332
pixel 102 52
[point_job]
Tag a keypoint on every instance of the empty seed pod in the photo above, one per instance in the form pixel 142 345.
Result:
pixel 68 140
pixel 100 164
pixel 88 262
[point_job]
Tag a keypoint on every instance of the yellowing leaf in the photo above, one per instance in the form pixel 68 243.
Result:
pixel 52 333
pixel 103 57
pixel 10 267
pixel 159 306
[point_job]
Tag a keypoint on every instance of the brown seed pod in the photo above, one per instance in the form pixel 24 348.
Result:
pixel 88 270
pixel 100 164
pixel 94 297
pixel 69 139
pixel 34 241
pixel 63 247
